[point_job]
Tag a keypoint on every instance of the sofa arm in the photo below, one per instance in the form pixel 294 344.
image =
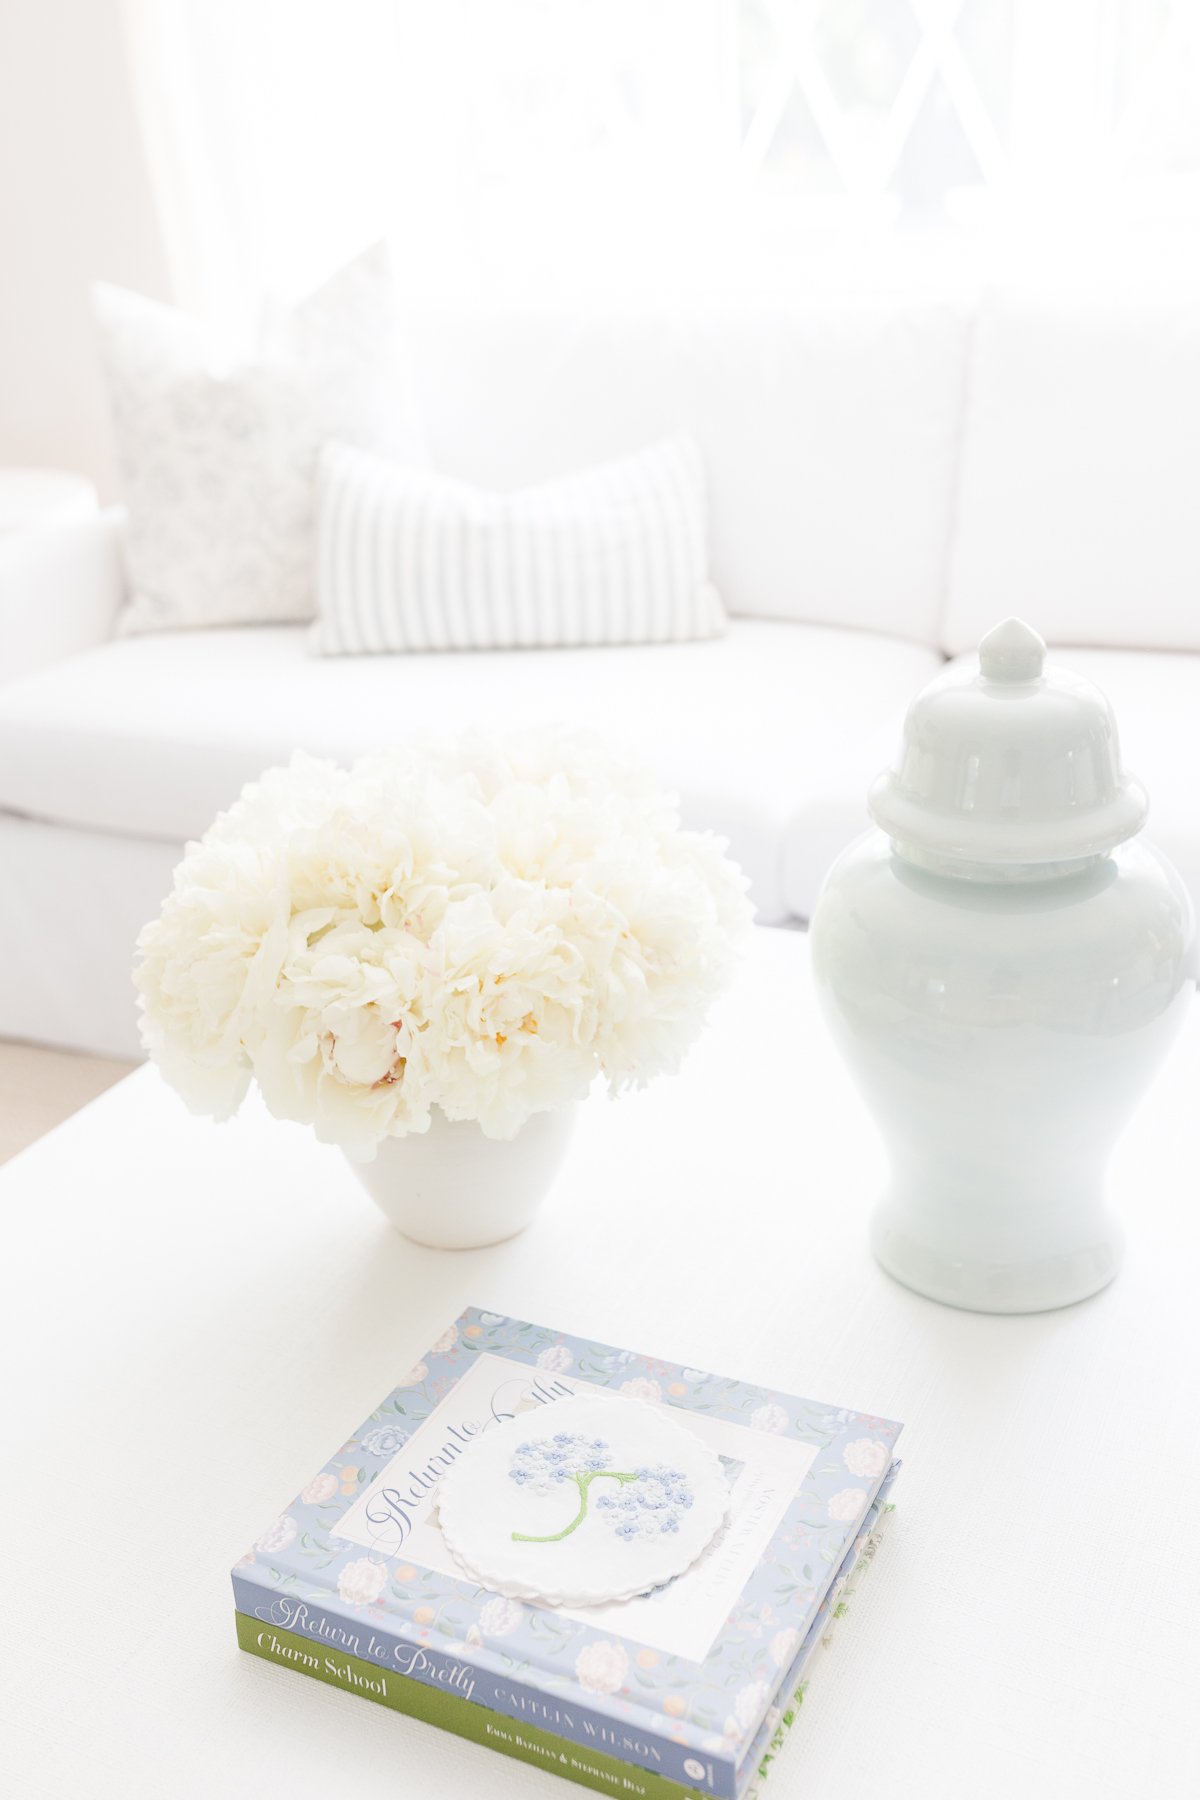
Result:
pixel 61 588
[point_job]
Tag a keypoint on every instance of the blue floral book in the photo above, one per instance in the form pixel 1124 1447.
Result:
pixel 680 1690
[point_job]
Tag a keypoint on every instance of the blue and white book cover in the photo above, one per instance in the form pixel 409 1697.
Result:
pixel 682 1681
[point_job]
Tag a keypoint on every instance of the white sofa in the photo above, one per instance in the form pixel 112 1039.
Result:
pixel 887 478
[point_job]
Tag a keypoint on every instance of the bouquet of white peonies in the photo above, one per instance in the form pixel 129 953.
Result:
pixel 481 929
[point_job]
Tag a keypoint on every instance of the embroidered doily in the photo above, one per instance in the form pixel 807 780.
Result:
pixel 586 1500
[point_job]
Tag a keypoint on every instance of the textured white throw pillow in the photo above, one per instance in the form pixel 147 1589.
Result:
pixel 218 460
pixel 411 560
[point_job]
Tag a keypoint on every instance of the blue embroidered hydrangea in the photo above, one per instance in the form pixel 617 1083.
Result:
pixel 651 1504
pixel 539 1465
pixel 650 1500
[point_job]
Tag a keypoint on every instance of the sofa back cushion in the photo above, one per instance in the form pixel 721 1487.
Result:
pixel 1078 501
pixel 829 430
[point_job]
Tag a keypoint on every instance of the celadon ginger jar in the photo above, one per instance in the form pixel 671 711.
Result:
pixel 1004 966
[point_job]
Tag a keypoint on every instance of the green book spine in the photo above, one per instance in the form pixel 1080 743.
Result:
pixel 528 1743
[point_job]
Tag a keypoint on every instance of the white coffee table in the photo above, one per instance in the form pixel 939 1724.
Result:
pixel 192 1316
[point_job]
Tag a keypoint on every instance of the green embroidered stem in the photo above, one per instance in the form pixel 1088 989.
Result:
pixel 583 1483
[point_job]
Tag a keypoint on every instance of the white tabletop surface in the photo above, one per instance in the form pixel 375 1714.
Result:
pixel 192 1316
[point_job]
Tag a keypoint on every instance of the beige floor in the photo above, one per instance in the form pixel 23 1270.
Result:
pixel 39 1088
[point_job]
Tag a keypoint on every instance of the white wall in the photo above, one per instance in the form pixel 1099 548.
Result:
pixel 75 204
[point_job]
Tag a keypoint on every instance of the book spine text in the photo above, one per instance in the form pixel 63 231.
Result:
pixel 450 1711
pixel 475 1684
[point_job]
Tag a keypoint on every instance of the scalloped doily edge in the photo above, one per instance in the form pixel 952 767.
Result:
pixel 515 1588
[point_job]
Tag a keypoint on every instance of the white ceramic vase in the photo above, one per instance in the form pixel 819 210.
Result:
pixel 454 1189
pixel 1003 972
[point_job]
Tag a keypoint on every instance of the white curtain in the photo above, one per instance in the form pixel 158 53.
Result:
pixel 511 145
pixel 281 137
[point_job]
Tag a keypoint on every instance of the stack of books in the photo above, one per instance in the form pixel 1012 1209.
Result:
pixel 688 1690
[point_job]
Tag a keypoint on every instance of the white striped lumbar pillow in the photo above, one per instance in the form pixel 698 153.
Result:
pixel 411 560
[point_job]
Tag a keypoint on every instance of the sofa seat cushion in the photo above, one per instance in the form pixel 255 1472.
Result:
pixel 1156 698
pixel 770 734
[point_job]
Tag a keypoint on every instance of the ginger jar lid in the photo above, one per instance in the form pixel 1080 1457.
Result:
pixel 1015 762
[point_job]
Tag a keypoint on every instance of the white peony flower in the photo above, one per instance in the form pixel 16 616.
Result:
pixel 784 1646
pixel 416 1375
pixel 556 1358
pixel 602 1667
pixel 321 1488
pixel 446 1342
pixel 642 1388
pixel 480 930
pixel 279 1535
pixel 500 1617
pixel 770 1417
pixel 866 1457
pixel 847 1503
pixel 360 1583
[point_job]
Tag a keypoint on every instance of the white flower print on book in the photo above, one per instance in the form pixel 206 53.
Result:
pixel 501 1617
pixel 384 1440
pixel 446 1342
pixel 770 1417
pixel 784 1646
pixel 847 1503
pixel 278 1536
pixel 747 1710
pixel 416 1375
pixel 866 1457
pixel 602 1667
pixel 361 1582
pixel 321 1488
pixel 556 1359
pixel 642 1387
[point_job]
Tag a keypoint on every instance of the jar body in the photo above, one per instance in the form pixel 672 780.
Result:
pixel 1001 1033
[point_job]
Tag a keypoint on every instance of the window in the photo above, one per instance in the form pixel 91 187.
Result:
pixel 508 144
